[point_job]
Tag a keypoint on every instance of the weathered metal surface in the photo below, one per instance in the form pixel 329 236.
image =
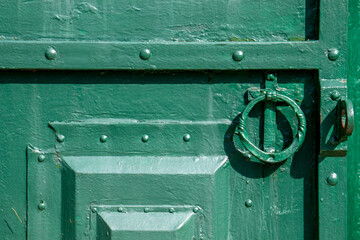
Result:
pixel 180 21
pixel 112 154
pixel 353 163
pixel 270 96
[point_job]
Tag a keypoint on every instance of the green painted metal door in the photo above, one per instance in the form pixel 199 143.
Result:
pixel 188 120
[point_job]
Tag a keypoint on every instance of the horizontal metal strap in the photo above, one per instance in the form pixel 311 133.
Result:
pixel 164 55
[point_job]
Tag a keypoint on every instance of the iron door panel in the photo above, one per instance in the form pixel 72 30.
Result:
pixel 164 145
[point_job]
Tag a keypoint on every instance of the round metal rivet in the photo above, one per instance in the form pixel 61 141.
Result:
pixel 120 209
pixel 146 210
pixel 196 209
pixel 41 158
pixel 247 182
pixel 271 77
pixel 186 137
pixel 145 54
pixel 248 203
pixel 42 206
pixel 321 199
pixel 332 179
pixel 333 54
pixel 238 55
pixel 335 95
pixel 145 138
pixel 103 138
pixel 94 210
pixel 171 210
pixel 50 53
pixel 60 138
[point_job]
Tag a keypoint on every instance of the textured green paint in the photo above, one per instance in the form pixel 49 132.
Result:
pixel 136 20
pixel 353 162
pixel 174 76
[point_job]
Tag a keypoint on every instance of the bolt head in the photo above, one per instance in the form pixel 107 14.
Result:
pixel 41 158
pixel 335 95
pixel 42 206
pixel 333 54
pixel 187 137
pixel 332 179
pixel 103 138
pixel 238 55
pixel 145 54
pixel 145 138
pixel 248 203
pixel 196 209
pixel 50 53
pixel 60 138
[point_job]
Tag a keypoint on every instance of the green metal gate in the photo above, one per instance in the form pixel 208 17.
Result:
pixel 174 120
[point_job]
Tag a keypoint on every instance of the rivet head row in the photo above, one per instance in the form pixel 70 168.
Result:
pixel 248 203
pixel 145 54
pixel 50 53
pixel 333 54
pixel 103 138
pixel 332 179
pixel 238 55
pixel 41 158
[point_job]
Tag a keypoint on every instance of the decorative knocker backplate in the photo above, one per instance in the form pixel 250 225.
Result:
pixel 273 157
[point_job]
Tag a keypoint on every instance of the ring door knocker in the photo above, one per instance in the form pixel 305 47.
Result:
pixel 272 157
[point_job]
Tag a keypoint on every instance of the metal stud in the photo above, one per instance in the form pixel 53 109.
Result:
pixel 186 137
pixel 120 209
pixel 145 54
pixel 171 210
pixel 333 54
pixel 332 179
pixel 248 203
pixel 50 53
pixel 196 209
pixel 146 210
pixel 335 95
pixel 94 210
pixel 103 138
pixel 238 55
pixel 41 158
pixel 42 205
pixel 60 138
pixel 145 138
